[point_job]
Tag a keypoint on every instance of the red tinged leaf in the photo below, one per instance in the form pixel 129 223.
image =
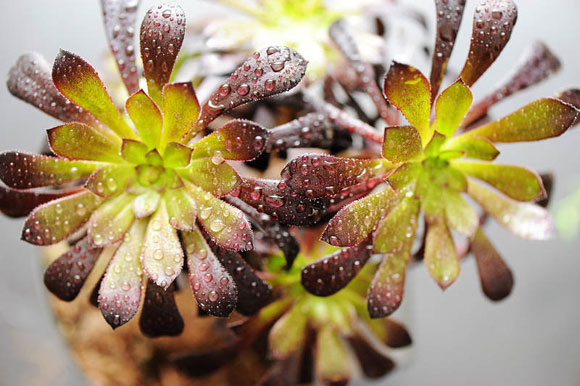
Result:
pixel 30 80
pixel 111 220
pixel 55 221
pixel 278 201
pixel 160 316
pixel 409 91
pixel 122 285
pixel 213 287
pixel 391 333
pixel 162 33
pixel 77 141
pixel 320 175
pixel 330 274
pixel 180 112
pixel 449 15
pixel 537 64
pixel 493 23
pixel 120 19
pixel 146 117
pixel 353 223
pixel 541 119
pixel 350 194
pixel 311 130
pixel 571 96
pixel 496 278
pixel 402 143
pixel 26 171
pixel 80 83
pixel 440 254
pixel 16 203
pixel 253 292
pixel 386 291
pixel 65 276
pixel 267 72
pixel 373 363
pixel 238 139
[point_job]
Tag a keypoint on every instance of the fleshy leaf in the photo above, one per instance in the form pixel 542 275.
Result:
pixel 402 143
pixel 386 291
pixel 319 175
pixel 518 183
pixel 333 365
pixel 405 175
pixel 571 96
pixel 181 209
pixel 391 333
pixel 65 276
pixel 288 333
pixel 30 80
pixel 79 82
pixel 213 287
pixel 212 175
pixel 267 72
pixel 353 223
pixel 134 151
pixel 162 32
pixel 111 220
pixel 493 22
pixel 160 316
pixel 78 141
pixel 146 203
pixel 473 147
pixel 180 112
pixel 449 15
pixel 55 221
pixel 146 117
pixel 226 225
pixel 346 122
pixel 332 273
pixel 177 155
pixel 398 227
pixel 451 106
pixel 440 254
pixel 496 278
pixel 162 254
pixel 253 292
pixel 537 64
pixel 120 292
pixel 26 171
pixel 459 214
pixel 541 119
pixel 524 219
pixel 110 180
pixel 237 140
pixel 17 203
pixel 409 91
pixel 374 364
pixel 120 18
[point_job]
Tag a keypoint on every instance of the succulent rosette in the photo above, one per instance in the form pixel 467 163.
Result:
pixel 432 163
pixel 141 185
pixel 309 337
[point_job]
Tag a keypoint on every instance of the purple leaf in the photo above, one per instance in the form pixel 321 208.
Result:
pixel 496 278
pixel 65 276
pixel 160 316
pixel 209 360
pixel 16 203
pixel 373 363
pixel 571 96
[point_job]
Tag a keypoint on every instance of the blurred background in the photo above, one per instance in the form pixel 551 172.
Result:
pixel 460 337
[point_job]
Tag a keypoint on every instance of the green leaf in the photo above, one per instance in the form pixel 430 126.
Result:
pixel 146 116
pixel 162 253
pixel 409 91
pixel 398 227
pixel 181 209
pixel 524 219
pixel 401 143
pixel 544 118
pixel 459 214
pixel 55 221
pixel 133 151
pixel 451 106
pixel 80 83
pixel 111 220
pixel 180 112
pixel 176 155
pixel 433 148
pixel 440 254
pixel 288 333
pixel 121 287
pixel 405 175
pixel 518 183
pixel 154 158
pixel 353 223
pixel 473 147
pixel 333 365
pixel 214 176
pixel 146 203
pixel 78 141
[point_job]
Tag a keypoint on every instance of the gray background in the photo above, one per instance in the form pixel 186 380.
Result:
pixel 459 337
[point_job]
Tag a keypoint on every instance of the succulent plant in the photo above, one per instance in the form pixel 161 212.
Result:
pixel 428 169
pixel 145 184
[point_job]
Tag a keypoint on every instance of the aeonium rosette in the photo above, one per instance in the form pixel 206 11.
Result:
pixel 429 169
pixel 142 184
